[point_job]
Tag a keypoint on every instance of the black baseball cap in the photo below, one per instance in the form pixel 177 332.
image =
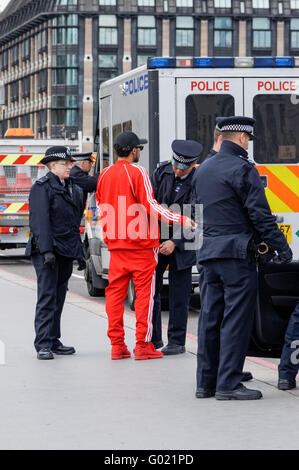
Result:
pixel 127 140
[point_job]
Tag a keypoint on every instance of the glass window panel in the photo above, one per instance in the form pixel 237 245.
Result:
pixel 71 117
pixel 223 3
pixel 146 3
pixel 262 39
pixel 141 60
pixel 295 39
pixel 184 38
pixel 146 37
pixel 295 4
pixel 107 3
pixel 107 20
pixel 72 77
pixel 223 23
pixel 260 3
pixel 184 3
pixel 283 147
pixel 107 61
pixel 261 23
pixel 295 23
pixel 72 35
pixel 184 22
pixel 108 36
pixel 146 21
pixel 201 113
pixel 72 20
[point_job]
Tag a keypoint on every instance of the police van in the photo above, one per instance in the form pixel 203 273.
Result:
pixel 180 98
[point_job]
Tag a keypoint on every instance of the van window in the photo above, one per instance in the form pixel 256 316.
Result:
pixel 201 113
pixel 276 129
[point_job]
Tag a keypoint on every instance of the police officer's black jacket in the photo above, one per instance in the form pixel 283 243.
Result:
pixel 163 179
pixel 234 205
pixel 86 182
pixel 55 215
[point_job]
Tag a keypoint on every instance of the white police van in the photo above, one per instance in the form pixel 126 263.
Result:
pixel 180 98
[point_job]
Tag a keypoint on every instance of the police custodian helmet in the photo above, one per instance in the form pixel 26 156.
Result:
pixel 58 152
pixel 236 124
pixel 185 153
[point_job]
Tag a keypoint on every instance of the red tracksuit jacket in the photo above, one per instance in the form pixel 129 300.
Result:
pixel 129 212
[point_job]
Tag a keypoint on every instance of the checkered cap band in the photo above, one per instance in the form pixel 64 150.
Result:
pixel 181 159
pixel 236 128
pixel 58 155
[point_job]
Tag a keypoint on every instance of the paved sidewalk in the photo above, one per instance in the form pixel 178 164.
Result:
pixel 87 401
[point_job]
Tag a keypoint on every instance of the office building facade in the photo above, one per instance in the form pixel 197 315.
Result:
pixel 55 53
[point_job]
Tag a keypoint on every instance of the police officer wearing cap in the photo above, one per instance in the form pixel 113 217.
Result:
pixel 55 206
pixel 172 184
pixel 235 209
pixel 80 174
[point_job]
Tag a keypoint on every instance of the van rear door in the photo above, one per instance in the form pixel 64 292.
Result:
pixel 275 106
pixel 200 100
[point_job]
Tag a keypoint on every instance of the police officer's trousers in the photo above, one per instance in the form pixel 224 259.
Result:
pixel 51 291
pixel 180 284
pixel 228 301
pixel 289 362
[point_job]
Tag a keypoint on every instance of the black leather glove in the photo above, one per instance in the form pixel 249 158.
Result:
pixel 283 257
pixel 81 264
pixel 50 259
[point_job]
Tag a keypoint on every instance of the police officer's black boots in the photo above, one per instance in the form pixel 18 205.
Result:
pixel 45 354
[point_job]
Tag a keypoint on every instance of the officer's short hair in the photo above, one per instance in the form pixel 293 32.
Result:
pixel 227 135
pixel 217 134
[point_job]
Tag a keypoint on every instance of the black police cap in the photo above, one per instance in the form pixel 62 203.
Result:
pixel 82 157
pixel 58 152
pixel 127 140
pixel 185 153
pixel 236 124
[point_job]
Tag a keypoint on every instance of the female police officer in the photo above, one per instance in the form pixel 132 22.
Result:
pixel 55 207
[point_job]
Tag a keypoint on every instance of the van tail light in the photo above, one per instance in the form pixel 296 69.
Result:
pixel 9 229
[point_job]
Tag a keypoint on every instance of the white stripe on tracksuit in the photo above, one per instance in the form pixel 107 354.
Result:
pixel 149 333
pixel 168 215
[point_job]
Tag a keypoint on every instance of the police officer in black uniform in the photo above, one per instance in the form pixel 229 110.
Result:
pixel 80 174
pixel 55 206
pixel 172 184
pixel 234 209
pixel 217 141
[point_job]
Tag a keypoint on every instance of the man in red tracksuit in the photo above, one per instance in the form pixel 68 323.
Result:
pixel 129 221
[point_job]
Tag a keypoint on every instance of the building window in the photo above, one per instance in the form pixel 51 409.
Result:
pixel 107 3
pixel 280 8
pixel 42 121
pixel 184 31
pixel 62 36
pixel 4 60
pixel 25 49
pixel 184 3
pixel 26 87
pixel 242 7
pixel 264 4
pixel 64 101
pixel 295 4
pixel 146 3
pixel 25 121
pixel 146 31
pixel 141 59
pixel 14 55
pixel 64 77
pixel 222 3
pixel 14 92
pixel 223 35
pixel 68 117
pixel 62 3
pixel 42 81
pixel 108 30
pixel 165 5
pixel 295 33
pixel 107 66
pixel 67 60
pixel 261 33
pixel 42 40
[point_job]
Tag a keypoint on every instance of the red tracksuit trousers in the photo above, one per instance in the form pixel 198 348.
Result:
pixel 124 265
